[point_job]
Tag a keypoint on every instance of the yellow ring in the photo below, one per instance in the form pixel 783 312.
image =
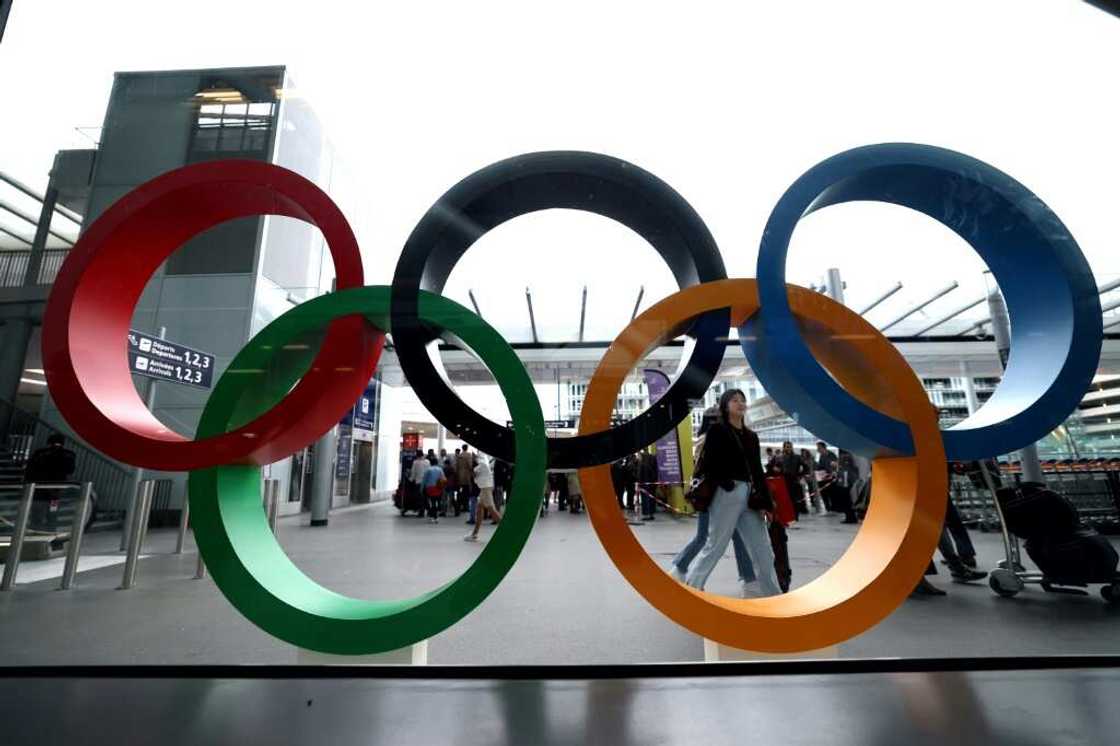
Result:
pixel 890 552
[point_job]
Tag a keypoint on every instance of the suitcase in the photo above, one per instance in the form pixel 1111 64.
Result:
pixel 1074 559
pixel 1033 511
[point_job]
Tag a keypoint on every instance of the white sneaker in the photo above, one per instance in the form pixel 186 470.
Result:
pixel 676 574
pixel 470 537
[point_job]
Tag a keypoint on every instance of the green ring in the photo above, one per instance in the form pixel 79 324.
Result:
pixel 247 562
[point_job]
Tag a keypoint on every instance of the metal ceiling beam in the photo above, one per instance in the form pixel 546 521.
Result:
pixel 894 289
pixel 474 303
pixel 532 320
pixel 1113 305
pixel 1111 324
pixel 641 292
pixel 62 210
pixel 15 235
pixel 919 306
pixel 1108 286
pixel 27 218
pixel 951 316
pixel 582 312
pixel 979 324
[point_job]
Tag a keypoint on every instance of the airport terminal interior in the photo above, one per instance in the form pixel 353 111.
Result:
pixel 530 434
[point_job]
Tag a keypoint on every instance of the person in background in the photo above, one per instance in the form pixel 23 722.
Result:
pixel 464 475
pixel 502 475
pixel 678 569
pixel 811 481
pixel 575 492
pixel 647 477
pixel 793 469
pixel 773 465
pixel 825 473
pixel 432 482
pixel 731 458
pixel 632 470
pixel 451 484
pixel 861 489
pixel 484 478
pixel 618 480
pixel 51 464
pixel 560 487
pixel 416 478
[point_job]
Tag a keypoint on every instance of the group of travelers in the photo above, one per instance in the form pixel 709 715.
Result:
pixel 829 483
pixel 751 505
pixel 463 481
pixel 634 478
pixel 563 485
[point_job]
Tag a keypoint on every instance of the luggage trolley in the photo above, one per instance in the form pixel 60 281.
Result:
pixel 1010 576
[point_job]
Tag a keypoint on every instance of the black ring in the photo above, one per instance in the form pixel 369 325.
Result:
pixel 537 181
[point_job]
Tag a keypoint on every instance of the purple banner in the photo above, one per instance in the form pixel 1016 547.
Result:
pixel 668 447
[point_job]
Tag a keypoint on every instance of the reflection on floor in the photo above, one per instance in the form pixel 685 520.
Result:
pixel 562 603
pixel 995 708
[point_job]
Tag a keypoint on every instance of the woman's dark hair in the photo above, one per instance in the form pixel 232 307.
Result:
pixel 724 400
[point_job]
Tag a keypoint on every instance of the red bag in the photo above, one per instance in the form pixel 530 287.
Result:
pixel 783 512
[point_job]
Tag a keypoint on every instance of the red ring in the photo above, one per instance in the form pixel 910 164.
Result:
pixel 91 305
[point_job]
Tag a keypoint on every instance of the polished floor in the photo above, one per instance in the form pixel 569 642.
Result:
pixel 562 603
pixel 1016 708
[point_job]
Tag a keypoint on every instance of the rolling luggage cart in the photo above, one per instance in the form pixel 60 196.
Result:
pixel 1010 576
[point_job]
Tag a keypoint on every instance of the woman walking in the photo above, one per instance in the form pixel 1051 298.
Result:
pixel 731 459
pixel 679 566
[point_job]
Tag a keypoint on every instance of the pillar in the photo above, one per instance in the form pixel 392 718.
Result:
pixel 1001 330
pixel 969 389
pixel 322 478
pixel 835 285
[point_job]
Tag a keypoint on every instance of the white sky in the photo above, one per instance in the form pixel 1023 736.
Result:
pixel 728 103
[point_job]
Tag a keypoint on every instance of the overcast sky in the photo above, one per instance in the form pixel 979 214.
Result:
pixel 728 103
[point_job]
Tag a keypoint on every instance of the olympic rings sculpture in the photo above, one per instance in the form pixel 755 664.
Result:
pixel 836 374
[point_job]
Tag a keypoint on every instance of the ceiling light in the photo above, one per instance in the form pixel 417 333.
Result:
pixel 33 381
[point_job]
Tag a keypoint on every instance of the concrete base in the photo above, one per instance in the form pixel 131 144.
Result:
pixel 414 655
pixel 715 652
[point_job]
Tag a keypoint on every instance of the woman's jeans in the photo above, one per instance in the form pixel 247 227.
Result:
pixel 729 514
pixel 685 556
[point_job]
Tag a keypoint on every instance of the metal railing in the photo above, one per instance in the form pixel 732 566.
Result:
pixel 14 263
pixel 77 528
pixel 25 432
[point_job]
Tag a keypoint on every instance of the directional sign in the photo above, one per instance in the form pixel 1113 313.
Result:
pixel 169 361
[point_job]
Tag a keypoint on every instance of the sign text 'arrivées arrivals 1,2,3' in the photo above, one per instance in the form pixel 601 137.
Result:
pixel 169 361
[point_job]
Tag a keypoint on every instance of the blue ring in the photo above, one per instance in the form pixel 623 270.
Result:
pixel 1050 292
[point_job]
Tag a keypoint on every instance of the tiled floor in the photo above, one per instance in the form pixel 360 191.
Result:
pixel 563 602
